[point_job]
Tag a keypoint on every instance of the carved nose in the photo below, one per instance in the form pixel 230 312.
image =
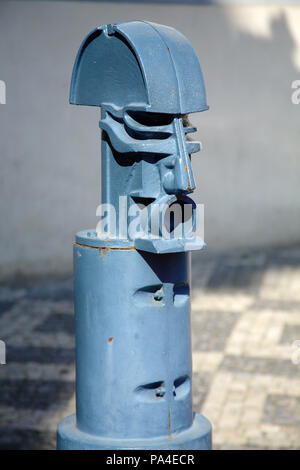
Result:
pixel 184 178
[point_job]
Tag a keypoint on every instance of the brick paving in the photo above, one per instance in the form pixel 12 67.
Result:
pixel 246 316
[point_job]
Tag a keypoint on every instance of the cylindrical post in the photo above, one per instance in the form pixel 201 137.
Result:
pixel 132 291
pixel 133 351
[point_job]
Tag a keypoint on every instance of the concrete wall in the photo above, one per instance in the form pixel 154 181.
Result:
pixel 247 175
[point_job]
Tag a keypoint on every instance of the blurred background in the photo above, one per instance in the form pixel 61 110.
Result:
pixel 246 286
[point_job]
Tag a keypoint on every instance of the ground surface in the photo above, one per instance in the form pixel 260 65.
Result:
pixel 246 315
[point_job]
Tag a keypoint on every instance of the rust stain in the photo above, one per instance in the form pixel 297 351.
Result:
pixel 168 48
pixel 186 168
pixel 110 339
pixel 189 187
pixel 103 249
pixel 169 432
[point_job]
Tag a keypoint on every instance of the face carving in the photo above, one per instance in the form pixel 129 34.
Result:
pixel 150 158
pixel 162 137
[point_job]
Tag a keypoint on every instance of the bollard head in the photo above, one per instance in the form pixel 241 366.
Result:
pixel 146 78
pixel 138 65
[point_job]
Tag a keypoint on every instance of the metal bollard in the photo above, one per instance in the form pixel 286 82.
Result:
pixel 132 291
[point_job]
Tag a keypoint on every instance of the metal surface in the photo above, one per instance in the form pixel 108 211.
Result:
pixel 132 291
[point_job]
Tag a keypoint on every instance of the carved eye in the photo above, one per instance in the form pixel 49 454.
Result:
pixel 140 125
pixel 151 119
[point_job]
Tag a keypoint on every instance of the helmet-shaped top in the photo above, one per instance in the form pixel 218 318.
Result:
pixel 138 65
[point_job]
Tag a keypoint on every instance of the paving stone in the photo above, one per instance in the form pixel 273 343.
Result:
pixel 57 322
pixel 201 384
pixel 35 394
pixel 206 361
pixel 24 439
pixel 290 334
pixel 258 365
pixel 210 330
pixel 5 306
pixel 207 301
pixel 282 409
pixel 276 305
pixel 40 355
pixel 54 290
pixel 235 277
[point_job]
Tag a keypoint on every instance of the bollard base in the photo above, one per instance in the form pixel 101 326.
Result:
pixel 197 437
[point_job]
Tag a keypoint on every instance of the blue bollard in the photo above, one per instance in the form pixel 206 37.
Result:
pixel 132 290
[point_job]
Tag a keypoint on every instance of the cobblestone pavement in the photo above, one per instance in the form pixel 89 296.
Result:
pixel 246 315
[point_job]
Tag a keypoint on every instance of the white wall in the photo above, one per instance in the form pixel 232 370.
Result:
pixel 247 175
